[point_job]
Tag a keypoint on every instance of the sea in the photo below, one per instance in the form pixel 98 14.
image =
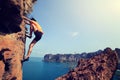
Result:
pixel 37 69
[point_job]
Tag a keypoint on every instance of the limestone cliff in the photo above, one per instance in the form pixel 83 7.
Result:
pixel 100 67
pixel 12 37
pixel 69 57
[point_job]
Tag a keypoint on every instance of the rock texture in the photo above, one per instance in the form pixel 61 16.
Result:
pixel 100 67
pixel 12 37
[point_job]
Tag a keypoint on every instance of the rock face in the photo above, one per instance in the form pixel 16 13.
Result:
pixel 12 37
pixel 100 67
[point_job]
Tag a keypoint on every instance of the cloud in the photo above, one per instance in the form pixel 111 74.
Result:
pixel 74 34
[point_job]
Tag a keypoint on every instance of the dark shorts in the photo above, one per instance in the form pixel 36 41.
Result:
pixel 38 35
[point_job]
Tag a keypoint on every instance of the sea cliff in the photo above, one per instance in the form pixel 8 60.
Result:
pixel 99 67
pixel 74 57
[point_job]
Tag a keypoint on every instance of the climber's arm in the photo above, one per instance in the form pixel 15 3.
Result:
pixel 26 18
pixel 27 22
pixel 30 34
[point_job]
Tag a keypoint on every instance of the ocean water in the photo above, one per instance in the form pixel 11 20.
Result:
pixel 36 69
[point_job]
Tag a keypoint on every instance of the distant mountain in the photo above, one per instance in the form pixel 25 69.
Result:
pixel 73 57
pixel 69 57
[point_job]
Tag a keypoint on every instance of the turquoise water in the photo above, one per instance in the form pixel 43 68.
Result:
pixel 36 69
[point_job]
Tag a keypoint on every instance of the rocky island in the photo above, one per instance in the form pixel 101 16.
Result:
pixel 73 57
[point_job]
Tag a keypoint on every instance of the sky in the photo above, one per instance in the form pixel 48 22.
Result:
pixel 76 26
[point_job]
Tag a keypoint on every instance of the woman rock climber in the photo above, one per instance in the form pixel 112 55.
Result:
pixel 38 32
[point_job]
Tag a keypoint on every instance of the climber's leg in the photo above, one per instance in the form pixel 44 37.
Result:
pixel 38 36
pixel 30 49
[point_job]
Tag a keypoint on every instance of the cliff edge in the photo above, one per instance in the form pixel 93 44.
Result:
pixel 12 37
pixel 99 67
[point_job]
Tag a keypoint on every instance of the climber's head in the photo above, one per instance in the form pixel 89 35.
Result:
pixel 33 19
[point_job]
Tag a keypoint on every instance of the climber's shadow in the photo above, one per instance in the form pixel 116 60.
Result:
pixel 10 18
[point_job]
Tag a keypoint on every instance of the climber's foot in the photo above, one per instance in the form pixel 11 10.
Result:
pixel 26 59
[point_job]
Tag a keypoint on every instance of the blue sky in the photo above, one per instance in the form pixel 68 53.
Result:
pixel 76 26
